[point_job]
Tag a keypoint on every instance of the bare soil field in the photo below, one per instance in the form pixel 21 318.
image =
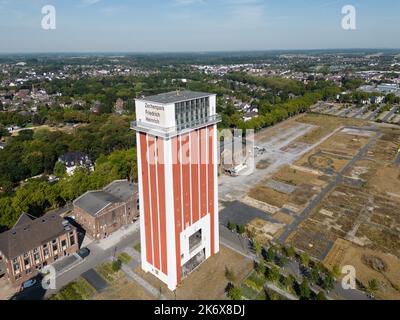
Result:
pixel 296 177
pixel 312 238
pixel 329 125
pixel 123 289
pixel 369 264
pixel 333 154
pixel 264 231
pixel 207 282
pixel 268 195
pixel 365 207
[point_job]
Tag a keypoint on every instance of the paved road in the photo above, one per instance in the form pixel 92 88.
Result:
pixel 390 114
pixel 95 280
pixel 241 214
pixel 360 112
pixel 374 114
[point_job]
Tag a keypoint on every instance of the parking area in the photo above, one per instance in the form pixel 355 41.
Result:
pixel 66 263
pixel 385 113
pixel 95 280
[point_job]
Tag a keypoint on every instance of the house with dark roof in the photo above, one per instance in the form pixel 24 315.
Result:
pixel 74 160
pixel 34 243
pixel 102 212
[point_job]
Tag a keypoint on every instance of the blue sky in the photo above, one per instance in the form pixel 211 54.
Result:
pixel 196 25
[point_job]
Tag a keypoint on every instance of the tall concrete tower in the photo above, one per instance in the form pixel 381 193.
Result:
pixel 178 187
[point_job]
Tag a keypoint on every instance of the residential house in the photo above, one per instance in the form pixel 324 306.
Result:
pixel 74 160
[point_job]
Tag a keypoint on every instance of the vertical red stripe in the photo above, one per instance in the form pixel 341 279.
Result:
pixel 154 201
pixel 211 185
pixel 176 172
pixel 146 198
pixel 194 139
pixel 161 197
pixel 203 172
pixel 185 145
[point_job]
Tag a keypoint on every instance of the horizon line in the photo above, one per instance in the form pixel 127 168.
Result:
pixel 194 51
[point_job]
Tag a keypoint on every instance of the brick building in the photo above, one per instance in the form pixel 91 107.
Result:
pixel 35 243
pixel 103 212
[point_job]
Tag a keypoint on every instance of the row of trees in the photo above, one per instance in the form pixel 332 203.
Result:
pixel 38 195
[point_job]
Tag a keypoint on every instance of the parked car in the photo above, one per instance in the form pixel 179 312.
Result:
pixel 28 284
pixel 83 252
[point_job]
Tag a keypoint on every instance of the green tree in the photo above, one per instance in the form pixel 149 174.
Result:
pixel 257 247
pixel 290 252
pixel 289 282
pixel 283 260
pixel 336 271
pixel 270 255
pixel 230 274
pixel 260 268
pixel 241 229
pixel 273 274
pixel 116 265
pixel 373 286
pixel 232 226
pixel 305 291
pixel 59 169
pixel 329 282
pixel 305 259
pixel 314 275
pixel 235 293
pixel 321 296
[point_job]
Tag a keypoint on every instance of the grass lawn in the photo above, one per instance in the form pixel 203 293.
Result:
pixel 124 289
pixel 248 293
pixel 124 257
pixel 106 271
pixel 77 290
pixel 208 281
pixel 137 247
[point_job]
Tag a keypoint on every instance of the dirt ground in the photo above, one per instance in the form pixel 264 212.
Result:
pixel 208 281
pixel 369 264
pixel 266 134
pixel 333 154
pixel 296 177
pixel 268 195
pixel 265 231
pixel 123 289
pixel 329 125
pixel 66 129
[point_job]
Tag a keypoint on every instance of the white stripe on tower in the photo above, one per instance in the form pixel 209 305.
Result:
pixel 170 214
pixel 216 213
pixel 150 206
pixel 158 203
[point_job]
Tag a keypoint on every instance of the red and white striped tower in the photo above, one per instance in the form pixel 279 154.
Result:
pixel 178 187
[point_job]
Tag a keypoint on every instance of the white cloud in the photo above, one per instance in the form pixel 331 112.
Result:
pixel 188 2
pixel 89 2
